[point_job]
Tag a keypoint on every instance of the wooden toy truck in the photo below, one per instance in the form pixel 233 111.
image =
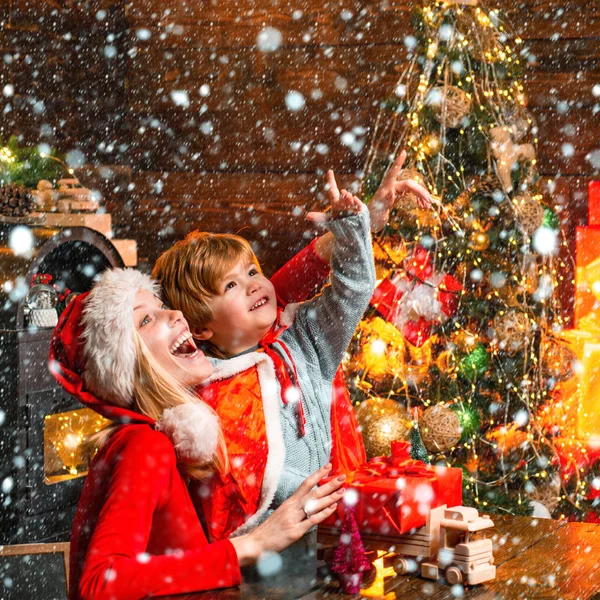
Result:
pixel 445 544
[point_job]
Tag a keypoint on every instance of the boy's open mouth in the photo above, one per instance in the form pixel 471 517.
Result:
pixel 184 346
pixel 259 303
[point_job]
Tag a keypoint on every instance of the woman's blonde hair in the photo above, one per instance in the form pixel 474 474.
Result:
pixel 155 391
pixel 191 272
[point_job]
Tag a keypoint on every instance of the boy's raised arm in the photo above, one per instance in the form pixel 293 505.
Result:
pixel 325 325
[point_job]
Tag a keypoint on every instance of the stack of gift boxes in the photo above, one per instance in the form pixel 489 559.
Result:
pixel 585 338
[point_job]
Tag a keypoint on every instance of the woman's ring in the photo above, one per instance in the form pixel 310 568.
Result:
pixel 306 512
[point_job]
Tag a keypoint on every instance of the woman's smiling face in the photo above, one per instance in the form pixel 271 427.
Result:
pixel 167 336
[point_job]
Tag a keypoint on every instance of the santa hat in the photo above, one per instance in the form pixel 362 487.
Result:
pixel 93 357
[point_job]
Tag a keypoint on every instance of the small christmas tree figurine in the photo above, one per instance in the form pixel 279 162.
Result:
pixel 417 448
pixel 350 559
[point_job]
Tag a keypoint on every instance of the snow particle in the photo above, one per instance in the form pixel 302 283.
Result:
pixel 410 41
pixel 567 150
pixel 2 417
pixel 269 564
pixel 521 418
pixel 400 90
pixel 180 98
pixel 596 90
pixel 143 34
pixel 593 158
pixel 350 497
pixel 545 241
pixel 7 485
pixel 110 51
pixel 21 241
pixel 204 90
pixel 294 101
pixel 8 90
pixel 269 39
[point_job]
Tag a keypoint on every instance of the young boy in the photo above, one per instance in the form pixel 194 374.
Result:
pixel 272 387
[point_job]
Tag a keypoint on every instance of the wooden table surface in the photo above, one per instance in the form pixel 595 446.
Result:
pixel 535 558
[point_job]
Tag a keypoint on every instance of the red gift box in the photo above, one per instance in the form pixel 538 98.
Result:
pixel 395 494
pixel 594 203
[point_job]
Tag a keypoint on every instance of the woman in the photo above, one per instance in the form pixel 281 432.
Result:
pixel 136 533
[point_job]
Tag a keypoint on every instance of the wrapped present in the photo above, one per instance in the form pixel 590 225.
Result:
pixel 594 203
pixel 395 494
pixel 587 272
pixel 416 298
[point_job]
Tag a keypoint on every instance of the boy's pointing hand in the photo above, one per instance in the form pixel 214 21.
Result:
pixel 342 203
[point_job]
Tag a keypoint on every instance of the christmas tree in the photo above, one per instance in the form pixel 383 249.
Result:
pixel 470 285
pixel 350 559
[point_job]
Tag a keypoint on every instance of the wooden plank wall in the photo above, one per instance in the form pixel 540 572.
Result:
pixel 99 79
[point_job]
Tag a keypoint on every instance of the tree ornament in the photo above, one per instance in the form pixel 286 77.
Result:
pixel 530 213
pixel 507 154
pixel 513 330
pixel 440 429
pixel 350 559
pixel 417 448
pixel 558 361
pixel 380 351
pixel 382 421
pixel 487 185
pixel 431 144
pixel 410 201
pixel 469 419
pixel 449 104
pixel 465 340
pixel 475 364
pixel 551 219
pixel 447 362
pixel 417 298
pixel 479 241
pixel 16 201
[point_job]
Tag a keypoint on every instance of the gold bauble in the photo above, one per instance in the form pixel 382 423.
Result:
pixel 479 241
pixel 431 144
pixel 440 429
pixel 382 421
pixel 513 330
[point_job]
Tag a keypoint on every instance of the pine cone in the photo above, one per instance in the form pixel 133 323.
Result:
pixel 16 201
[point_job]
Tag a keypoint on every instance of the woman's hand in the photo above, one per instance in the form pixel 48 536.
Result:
pixel 391 191
pixel 303 510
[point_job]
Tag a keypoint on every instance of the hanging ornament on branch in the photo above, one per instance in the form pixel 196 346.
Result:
pixel 417 298
pixel 439 428
pixel 558 361
pixel 513 330
pixel 475 364
pixel 508 154
pixel 382 421
pixel 530 213
pixel 449 104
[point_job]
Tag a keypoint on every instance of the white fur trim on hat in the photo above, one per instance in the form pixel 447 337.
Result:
pixel 194 430
pixel 109 348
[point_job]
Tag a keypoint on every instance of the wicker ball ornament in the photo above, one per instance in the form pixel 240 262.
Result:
pixel 453 107
pixel 513 331
pixel 382 421
pixel 558 361
pixel 409 201
pixel 440 429
pixel 530 213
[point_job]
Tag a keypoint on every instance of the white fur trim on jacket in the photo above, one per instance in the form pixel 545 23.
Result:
pixel 109 349
pixel 194 430
pixel 271 399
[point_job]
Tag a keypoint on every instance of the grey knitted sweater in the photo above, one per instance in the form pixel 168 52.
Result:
pixel 317 339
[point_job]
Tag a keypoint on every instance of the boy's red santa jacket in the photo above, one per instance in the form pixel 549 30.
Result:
pixel 136 533
pixel 243 392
